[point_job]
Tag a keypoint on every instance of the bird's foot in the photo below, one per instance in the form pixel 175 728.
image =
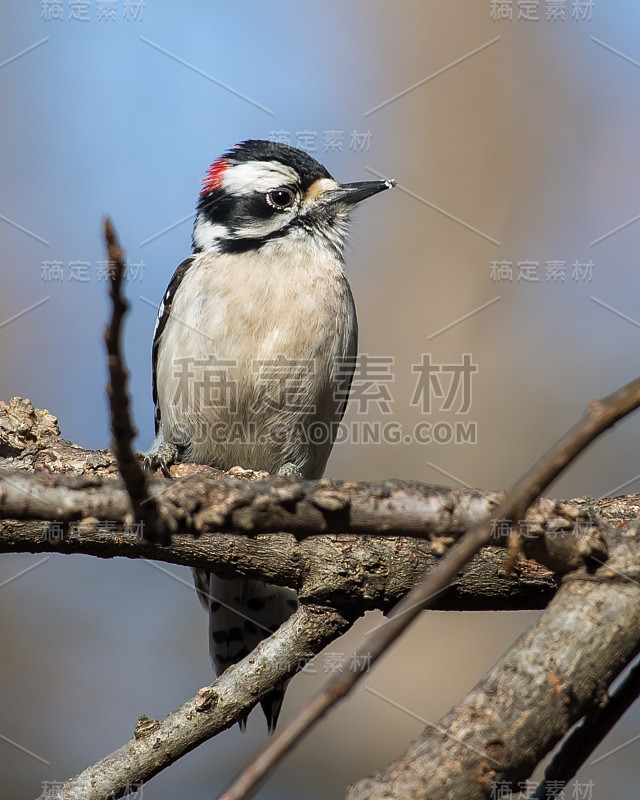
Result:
pixel 290 470
pixel 162 458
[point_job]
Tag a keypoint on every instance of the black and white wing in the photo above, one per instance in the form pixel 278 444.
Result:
pixel 164 312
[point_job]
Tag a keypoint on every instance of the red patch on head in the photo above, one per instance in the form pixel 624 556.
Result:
pixel 213 179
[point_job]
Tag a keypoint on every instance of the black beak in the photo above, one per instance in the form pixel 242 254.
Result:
pixel 352 193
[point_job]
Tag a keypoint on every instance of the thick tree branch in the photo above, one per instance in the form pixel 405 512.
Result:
pixel 557 534
pixel 357 573
pixel 361 572
pixel 557 672
pixel 584 738
pixel 77 489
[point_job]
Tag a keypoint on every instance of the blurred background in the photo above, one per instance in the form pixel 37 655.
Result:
pixel 494 290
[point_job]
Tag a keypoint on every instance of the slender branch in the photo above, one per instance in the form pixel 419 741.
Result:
pixel 145 508
pixel 599 416
pixel 158 744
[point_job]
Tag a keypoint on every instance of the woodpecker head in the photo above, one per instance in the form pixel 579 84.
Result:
pixel 260 192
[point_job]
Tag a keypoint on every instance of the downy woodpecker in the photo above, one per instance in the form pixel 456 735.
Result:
pixel 254 351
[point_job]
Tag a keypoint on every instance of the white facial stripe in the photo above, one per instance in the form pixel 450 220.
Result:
pixel 257 176
pixel 261 228
pixel 206 233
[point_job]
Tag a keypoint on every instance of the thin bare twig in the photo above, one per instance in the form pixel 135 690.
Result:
pixel 600 415
pixel 123 432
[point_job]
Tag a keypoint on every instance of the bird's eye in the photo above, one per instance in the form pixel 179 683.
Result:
pixel 280 198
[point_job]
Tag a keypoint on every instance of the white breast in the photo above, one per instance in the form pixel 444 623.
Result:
pixel 246 369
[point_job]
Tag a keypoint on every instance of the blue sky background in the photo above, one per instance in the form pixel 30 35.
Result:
pixel 518 142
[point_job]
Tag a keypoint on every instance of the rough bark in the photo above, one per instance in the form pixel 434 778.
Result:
pixel 526 703
pixel 49 479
